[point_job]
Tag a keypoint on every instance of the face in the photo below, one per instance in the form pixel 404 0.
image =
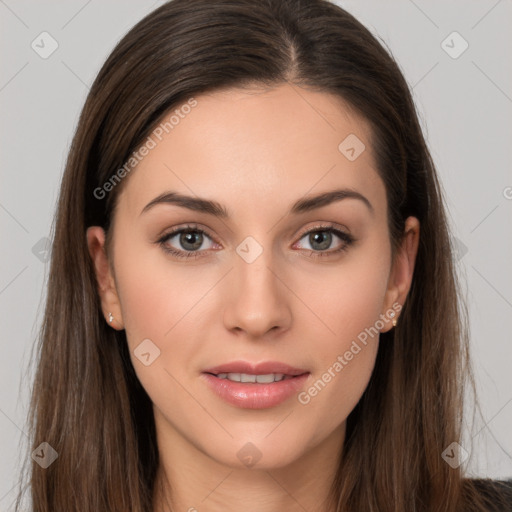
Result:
pixel 277 280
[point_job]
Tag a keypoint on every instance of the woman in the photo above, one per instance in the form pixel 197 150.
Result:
pixel 252 300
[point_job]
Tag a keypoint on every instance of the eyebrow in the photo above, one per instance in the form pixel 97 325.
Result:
pixel 216 209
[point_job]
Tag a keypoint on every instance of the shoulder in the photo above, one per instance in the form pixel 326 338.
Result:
pixel 496 494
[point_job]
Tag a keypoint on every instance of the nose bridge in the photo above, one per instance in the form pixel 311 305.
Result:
pixel 260 257
pixel 257 302
pixel 252 270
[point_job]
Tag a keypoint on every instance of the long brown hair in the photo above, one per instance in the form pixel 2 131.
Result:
pixel 87 402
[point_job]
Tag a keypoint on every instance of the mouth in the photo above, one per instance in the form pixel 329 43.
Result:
pixel 255 386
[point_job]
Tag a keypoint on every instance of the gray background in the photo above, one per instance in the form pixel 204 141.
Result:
pixel 465 105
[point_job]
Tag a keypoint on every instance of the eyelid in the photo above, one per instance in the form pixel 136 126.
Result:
pixel 322 225
pixel 189 226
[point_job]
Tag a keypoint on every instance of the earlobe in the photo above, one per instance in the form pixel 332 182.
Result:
pixel 104 279
pixel 400 278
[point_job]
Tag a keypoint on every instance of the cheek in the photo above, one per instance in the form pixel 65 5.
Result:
pixel 350 304
pixel 349 297
pixel 159 303
pixel 155 293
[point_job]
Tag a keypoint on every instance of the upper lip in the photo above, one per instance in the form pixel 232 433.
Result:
pixel 263 368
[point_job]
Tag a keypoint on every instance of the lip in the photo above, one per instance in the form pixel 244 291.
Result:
pixel 255 395
pixel 256 369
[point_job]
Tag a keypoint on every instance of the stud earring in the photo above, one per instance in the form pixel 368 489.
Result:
pixel 392 314
pixel 110 318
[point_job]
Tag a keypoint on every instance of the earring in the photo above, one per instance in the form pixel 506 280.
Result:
pixel 392 314
pixel 110 318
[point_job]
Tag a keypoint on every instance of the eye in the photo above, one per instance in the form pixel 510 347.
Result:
pixel 190 238
pixel 321 238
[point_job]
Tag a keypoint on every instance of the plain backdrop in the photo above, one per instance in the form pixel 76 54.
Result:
pixel 464 99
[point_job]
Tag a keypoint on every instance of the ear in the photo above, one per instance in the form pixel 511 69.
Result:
pixel 400 277
pixel 104 278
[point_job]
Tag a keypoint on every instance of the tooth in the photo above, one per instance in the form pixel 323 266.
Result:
pixel 249 378
pixel 265 379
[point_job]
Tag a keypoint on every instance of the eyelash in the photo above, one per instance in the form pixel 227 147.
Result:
pixel 345 237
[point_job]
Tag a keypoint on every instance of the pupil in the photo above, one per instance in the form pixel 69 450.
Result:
pixel 187 238
pixel 324 240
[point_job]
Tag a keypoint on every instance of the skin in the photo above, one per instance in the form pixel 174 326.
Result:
pixel 255 151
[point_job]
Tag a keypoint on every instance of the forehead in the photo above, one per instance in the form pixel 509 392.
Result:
pixel 247 148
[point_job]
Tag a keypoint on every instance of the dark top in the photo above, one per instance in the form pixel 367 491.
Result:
pixel 497 493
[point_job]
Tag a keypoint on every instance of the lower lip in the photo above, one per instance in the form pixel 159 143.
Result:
pixel 254 395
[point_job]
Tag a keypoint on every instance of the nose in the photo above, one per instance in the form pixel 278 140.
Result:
pixel 257 298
